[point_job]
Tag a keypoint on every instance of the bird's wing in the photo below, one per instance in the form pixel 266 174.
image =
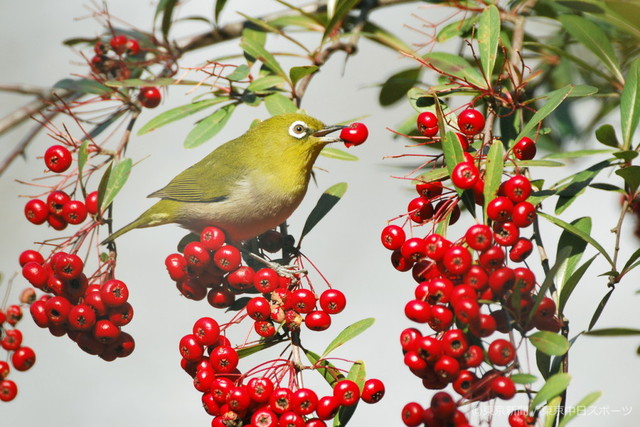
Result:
pixel 210 180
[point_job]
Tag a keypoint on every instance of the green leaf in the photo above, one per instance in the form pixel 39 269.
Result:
pixel 277 103
pixel 336 153
pixel 357 374
pixel 241 72
pixel 488 37
pixel 576 245
pixel 571 282
pixel 347 334
pixel 457 28
pixel 433 175
pixel 455 65
pixel 336 20
pixel 561 256
pixel 550 343
pixel 257 50
pixel 551 417
pixel 543 362
pixel 568 193
pixel 252 349
pixel 453 153
pixel 83 156
pixel 266 82
pixel 163 81
pixel 208 127
pixel 599 308
pixel 493 173
pixel 165 7
pixel 102 187
pixel 553 100
pixel 577 154
pixel 580 91
pixel 116 179
pixel 613 332
pixel 587 238
pixel 554 386
pixel 383 37
pixel 296 73
pixel 218 9
pixel 580 407
pixel 326 369
pixel 539 163
pixel 83 86
pixel 627 156
pixel 523 378
pixel 631 176
pixel 178 113
pixel 327 201
pixel 628 265
pixel 594 39
pixel 606 134
pixel 396 86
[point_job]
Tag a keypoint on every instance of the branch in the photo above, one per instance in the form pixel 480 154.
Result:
pixel 46 97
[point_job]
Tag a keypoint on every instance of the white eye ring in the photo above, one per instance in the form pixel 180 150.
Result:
pixel 298 129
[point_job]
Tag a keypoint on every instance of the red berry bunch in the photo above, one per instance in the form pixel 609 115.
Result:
pixel 90 315
pixel 470 289
pixel 18 356
pixel 59 210
pixel 114 58
pixel 259 397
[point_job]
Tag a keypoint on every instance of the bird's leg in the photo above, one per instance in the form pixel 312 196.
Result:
pixel 289 271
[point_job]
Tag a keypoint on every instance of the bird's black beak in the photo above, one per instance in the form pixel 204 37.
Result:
pixel 323 133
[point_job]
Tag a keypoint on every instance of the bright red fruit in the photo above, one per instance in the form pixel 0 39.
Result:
pixel 150 97
pixel 57 158
pixel 354 134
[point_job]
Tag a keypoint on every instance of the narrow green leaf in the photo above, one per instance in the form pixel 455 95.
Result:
pixel 523 378
pixel 587 238
pixel 453 153
pixel 433 175
pixel 167 14
pixel 631 176
pixel 241 72
pixel 599 308
pixel 336 153
pixel 218 9
pixel 552 414
pixel 457 28
pixel 493 173
pixel 252 349
pixel 549 343
pixel 561 257
pixel 580 407
pixel 326 369
pixel 117 178
pixel 83 156
pixel 553 100
pixel 347 334
pixel 396 86
pixel 253 48
pixel 580 91
pixel 576 245
pixel 83 86
pixel 163 81
pixel 327 201
pixel 627 156
pixel 279 104
pixel 488 37
pixel 577 154
pixel 613 332
pixel 336 20
pixel 297 73
pixel 208 127
pixel 554 386
pixel 383 37
pixel 178 113
pixel 568 193
pixel 455 65
pixel 266 82
pixel 594 39
pixel 606 134
pixel 543 362
pixel 571 282
pixel 357 374
pixel 624 15
pixel 539 163
pixel 628 265
pixel 102 187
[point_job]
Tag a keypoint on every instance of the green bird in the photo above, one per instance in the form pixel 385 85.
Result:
pixel 246 186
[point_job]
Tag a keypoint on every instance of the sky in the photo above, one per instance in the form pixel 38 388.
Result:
pixel 69 388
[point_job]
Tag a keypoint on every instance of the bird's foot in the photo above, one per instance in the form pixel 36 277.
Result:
pixel 289 271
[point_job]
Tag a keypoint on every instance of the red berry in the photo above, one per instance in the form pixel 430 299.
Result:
pixel 347 392
pixel 429 190
pixel 132 47
pixel 327 407
pixel 260 389
pixel 479 237
pixel 521 250
pixel 454 343
pixel 372 391
pixel 36 211
pixel 447 368
pixel 81 317
pixel 4 370
pixel 264 418
pixel 57 158
pixel 420 210
pixel 212 238
pixel 74 212
pixel 317 320
pixel 12 339
pixel 241 279
pixel 227 258
pixel 483 326
pixel 413 249
pixel 506 233
pixel 354 134
pixel 500 209
pixel 280 400
pixel 224 359
pixel 114 293
pixel 418 311
pixel 36 274
pixel 523 215
pixel 517 188
pixel 150 97
pixel 30 256
pixel 23 358
pixel 465 175
pixel 8 390
pixel 457 259
pixel 106 331
pixel 525 149
pixel 412 414
pixel 332 301
pixel 443 405
pixel 470 121
pixel 239 398
pixel 56 201
pixel 436 246
pixel 427 124
pixel 441 318
pixel 56 222
pixel 503 387
pixel 501 352
pixel 119 43
pixel 91 202
pixel 392 237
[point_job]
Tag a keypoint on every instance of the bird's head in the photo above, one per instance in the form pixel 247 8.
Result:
pixel 295 132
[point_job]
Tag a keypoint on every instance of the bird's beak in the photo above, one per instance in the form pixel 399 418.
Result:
pixel 322 134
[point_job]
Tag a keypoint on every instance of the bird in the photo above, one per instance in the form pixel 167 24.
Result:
pixel 246 186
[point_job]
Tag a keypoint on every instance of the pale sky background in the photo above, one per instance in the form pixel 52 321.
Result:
pixel 67 387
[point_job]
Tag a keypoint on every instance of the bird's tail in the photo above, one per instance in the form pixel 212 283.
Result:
pixel 153 216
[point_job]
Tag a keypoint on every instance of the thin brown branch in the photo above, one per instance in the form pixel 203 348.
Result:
pixel 21 114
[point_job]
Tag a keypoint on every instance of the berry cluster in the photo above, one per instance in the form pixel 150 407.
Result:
pixel 122 58
pixel 259 398
pixel 59 210
pixel 212 269
pixel 21 357
pixel 91 315
pixel 466 291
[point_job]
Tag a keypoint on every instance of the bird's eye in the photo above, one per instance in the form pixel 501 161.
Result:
pixel 298 129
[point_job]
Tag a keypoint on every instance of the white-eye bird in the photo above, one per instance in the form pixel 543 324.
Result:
pixel 246 186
